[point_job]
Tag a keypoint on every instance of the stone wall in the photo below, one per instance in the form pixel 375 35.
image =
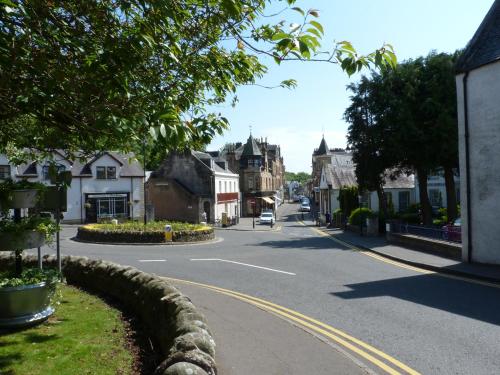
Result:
pixel 429 245
pixel 174 323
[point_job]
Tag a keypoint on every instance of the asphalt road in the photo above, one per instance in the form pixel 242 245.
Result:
pixel 433 324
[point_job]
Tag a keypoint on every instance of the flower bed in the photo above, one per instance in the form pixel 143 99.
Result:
pixel 134 232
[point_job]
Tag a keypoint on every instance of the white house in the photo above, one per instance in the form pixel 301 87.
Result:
pixel 400 192
pixel 109 185
pixel 478 96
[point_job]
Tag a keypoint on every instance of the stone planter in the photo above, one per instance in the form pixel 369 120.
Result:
pixel 24 198
pixel 25 305
pixel 20 241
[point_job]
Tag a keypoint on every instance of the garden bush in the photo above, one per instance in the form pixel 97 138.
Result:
pixel 359 214
pixel 152 232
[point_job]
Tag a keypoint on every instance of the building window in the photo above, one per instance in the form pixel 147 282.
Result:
pixel 4 172
pixel 110 173
pixel 435 198
pixel 404 200
pixel 106 173
pixel 225 186
pixel 112 207
pixel 46 169
pixel 250 182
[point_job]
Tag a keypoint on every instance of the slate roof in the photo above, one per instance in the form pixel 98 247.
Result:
pixel 251 148
pixel 400 182
pixel 81 168
pixel 484 47
pixel 342 172
pixel 214 167
pixel 323 148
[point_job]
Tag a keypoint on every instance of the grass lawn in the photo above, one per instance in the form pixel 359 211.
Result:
pixel 84 336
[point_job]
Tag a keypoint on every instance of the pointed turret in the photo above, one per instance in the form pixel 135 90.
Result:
pixel 323 148
pixel 251 148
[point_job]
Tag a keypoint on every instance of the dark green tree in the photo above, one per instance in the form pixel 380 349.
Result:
pixel 441 107
pixel 348 199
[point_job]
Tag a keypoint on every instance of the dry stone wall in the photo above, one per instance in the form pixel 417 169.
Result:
pixel 181 331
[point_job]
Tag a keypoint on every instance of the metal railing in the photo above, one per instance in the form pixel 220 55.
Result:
pixel 451 234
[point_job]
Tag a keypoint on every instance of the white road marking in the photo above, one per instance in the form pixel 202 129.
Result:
pixel 244 264
pixel 151 260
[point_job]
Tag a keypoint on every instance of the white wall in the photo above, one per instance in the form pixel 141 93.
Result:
pixel 226 183
pixel 82 185
pixel 483 93
pixel 374 203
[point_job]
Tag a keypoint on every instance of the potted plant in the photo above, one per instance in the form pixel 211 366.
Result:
pixel 20 194
pixel 24 296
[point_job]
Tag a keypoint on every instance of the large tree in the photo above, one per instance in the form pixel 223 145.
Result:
pixel 103 74
pixel 404 120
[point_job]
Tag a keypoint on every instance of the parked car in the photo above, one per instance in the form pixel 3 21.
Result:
pixel 305 200
pixel 266 218
pixel 305 207
pixel 453 231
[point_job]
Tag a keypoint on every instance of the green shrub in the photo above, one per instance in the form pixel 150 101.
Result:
pixel 410 218
pixel 29 276
pixel 348 199
pixel 359 215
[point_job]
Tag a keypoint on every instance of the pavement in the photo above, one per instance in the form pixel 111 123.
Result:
pixel 252 341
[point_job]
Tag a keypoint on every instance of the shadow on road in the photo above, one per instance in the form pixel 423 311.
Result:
pixel 461 298
pixel 310 243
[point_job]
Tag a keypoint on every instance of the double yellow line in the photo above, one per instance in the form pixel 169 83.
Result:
pixel 369 353
pixel 404 265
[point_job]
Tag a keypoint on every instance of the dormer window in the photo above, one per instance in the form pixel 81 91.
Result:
pixel 46 168
pixel 106 173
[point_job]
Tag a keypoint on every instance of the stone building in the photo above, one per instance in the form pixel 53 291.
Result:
pixel 321 157
pixel 193 186
pixel 261 170
pixel 478 92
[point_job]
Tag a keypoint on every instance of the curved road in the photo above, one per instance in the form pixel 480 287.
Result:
pixel 433 324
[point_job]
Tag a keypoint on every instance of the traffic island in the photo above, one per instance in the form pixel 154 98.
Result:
pixel 154 232
pixel 173 323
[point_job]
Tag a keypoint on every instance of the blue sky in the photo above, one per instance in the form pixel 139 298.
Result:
pixel 296 119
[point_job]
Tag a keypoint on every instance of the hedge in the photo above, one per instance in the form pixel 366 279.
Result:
pixel 96 233
pixel 360 214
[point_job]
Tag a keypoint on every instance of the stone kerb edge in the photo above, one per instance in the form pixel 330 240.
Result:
pixel 181 331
